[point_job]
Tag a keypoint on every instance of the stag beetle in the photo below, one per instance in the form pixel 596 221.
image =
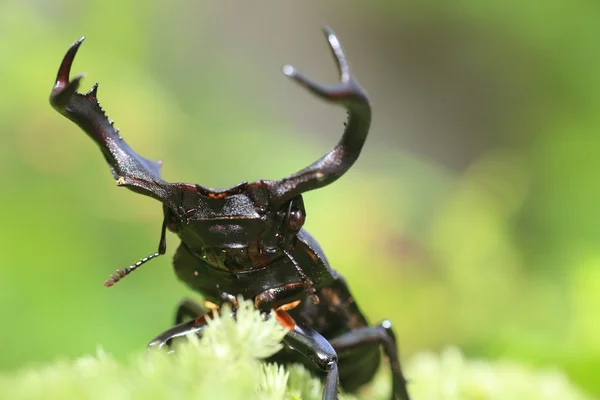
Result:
pixel 248 240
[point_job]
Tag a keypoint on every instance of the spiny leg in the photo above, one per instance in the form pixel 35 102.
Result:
pixel 316 348
pixel 382 334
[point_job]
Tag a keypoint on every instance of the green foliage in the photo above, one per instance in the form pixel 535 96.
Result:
pixel 225 364
pixel 450 376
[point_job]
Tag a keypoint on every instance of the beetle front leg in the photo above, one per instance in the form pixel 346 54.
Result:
pixel 383 335
pixel 316 348
pixel 188 309
pixel 284 297
pixel 194 327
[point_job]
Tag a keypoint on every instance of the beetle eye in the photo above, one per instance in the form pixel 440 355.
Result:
pixel 296 219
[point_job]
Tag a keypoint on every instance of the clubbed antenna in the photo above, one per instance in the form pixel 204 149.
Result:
pixel 122 273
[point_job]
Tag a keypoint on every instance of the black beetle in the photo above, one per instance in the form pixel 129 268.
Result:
pixel 248 240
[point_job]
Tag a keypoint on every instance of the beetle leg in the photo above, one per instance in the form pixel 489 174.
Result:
pixel 347 93
pixel 316 348
pixel 194 327
pixel 188 309
pixel 309 285
pixel 284 297
pixel 178 331
pixel 383 335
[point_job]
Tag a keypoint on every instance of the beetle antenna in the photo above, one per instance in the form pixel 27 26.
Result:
pixel 308 283
pixel 285 227
pixel 122 273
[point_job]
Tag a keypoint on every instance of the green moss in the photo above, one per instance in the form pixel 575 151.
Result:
pixel 226 364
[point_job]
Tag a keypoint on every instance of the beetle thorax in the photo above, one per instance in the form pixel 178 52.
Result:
pixel 234 231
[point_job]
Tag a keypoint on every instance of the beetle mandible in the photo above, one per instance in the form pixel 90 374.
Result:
pixel 248 240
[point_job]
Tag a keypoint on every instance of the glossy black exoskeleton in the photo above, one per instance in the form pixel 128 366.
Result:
pixel 248 240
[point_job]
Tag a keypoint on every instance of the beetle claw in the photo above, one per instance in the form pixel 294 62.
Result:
pixel 338 54
pixel 93 92
pixel 347 89
pixel 62 93
pixel 139 174
pixel 63 85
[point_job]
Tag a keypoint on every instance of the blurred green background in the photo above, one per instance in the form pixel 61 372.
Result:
pixel 472 217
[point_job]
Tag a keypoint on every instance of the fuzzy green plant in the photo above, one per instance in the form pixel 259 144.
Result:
pixel 226 364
